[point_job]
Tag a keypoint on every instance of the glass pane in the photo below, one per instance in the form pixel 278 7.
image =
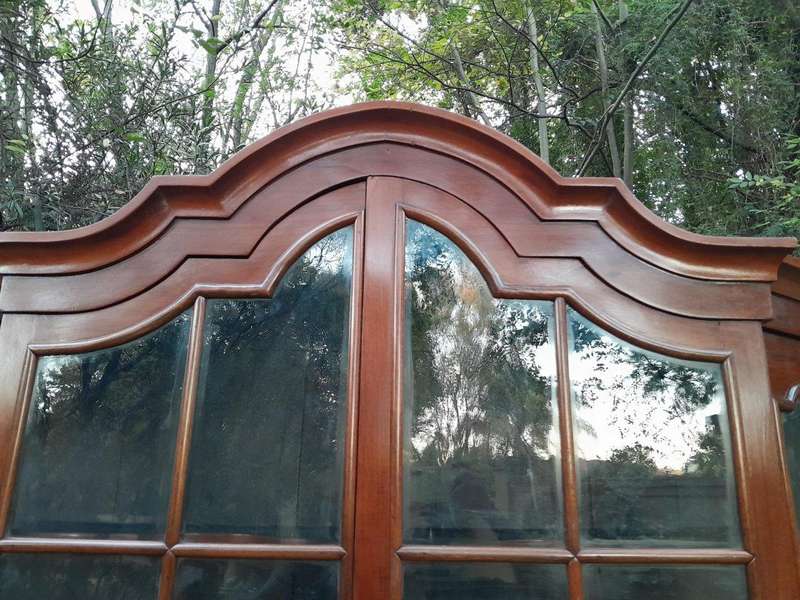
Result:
pixel 653 445
pixel 78 577
pixel 481 441
pixel 791 432
pixel 210 579
pixel 268 443
pixel 99 442
pixel 617 582
pixel 484 581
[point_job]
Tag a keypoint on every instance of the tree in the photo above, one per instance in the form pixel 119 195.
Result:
pixel 95 105
pixel 694 104
pixel 676 97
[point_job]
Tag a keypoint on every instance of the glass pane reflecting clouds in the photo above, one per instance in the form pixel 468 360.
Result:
pixel 267 448
pixel 653 443
pixel 99 442
pixel 476 581
pixel 624 582
pixel 481 437
pixel 210 579
pixel 78 577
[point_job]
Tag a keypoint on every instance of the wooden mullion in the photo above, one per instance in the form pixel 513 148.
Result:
pixel 184 435
pixel 515 554
pixel 375 566
pixel 564 390
pixel 166 580
pixel 81 546
pixel 351 429
pixel 697 556
pixel 270 551
pixel 20 411
pixel 569 477
pixel 574 580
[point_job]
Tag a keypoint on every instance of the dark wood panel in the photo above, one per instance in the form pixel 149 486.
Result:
pixel 788 282
pixel 783 358
pixel 786 319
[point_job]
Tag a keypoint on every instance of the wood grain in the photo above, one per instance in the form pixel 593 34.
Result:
pixel 533 234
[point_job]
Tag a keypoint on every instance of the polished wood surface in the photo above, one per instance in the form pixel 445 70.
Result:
pixel 585 243
pixel 605 201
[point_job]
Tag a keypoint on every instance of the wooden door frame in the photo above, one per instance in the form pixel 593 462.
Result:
pixel 532 233
pixel 733 344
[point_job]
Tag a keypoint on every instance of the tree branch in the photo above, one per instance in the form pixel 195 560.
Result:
pixel 254 25
pixel 609 113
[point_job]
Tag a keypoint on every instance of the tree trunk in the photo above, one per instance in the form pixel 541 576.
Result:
pixel 239 132
pixel 628 132
pixel 469 96
pixel 12 108
pixel 544 144
pixel 207 111
pixel 603 68
pixel 627 154
pixel 462 77
pixel 32 189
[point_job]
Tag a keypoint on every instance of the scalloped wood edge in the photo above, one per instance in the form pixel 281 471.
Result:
pixel 551 196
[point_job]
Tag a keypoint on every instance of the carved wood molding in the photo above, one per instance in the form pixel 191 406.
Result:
pixel 605 201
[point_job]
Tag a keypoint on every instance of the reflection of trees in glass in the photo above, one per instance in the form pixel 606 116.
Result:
pixel 78 577
pixel 480 433
pixel 652 432
pixel 665 582
pixel 477 581
pixel 791 431
pixel 210 579
pixel 266 451
pixel 99 443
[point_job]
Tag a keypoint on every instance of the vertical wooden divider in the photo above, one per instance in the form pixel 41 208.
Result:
pixel 572 532
pixel 19 410
pixel 353 371
pixel 375 575
pixel 182 447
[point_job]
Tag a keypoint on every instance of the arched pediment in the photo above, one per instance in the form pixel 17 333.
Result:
pixel 539 213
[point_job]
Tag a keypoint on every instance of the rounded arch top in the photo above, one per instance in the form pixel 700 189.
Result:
pixel 552 197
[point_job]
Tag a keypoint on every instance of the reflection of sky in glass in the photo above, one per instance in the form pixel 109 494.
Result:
pixel 480 433
pixel 482 322
pixel 623 400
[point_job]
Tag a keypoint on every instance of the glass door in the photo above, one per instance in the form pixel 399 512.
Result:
pixel 211 457
pixel 529 452
pixel 414 411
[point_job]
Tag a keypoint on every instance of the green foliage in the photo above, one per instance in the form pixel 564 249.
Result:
pixel 718 98
pixel 94 105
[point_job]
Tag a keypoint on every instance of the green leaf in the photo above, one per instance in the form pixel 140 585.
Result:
pixel 211 45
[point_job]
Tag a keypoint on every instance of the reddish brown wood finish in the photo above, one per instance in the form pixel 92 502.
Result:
pixel 533 234
pixel 782 340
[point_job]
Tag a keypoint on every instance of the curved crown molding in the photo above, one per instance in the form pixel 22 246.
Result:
pixel 606 201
